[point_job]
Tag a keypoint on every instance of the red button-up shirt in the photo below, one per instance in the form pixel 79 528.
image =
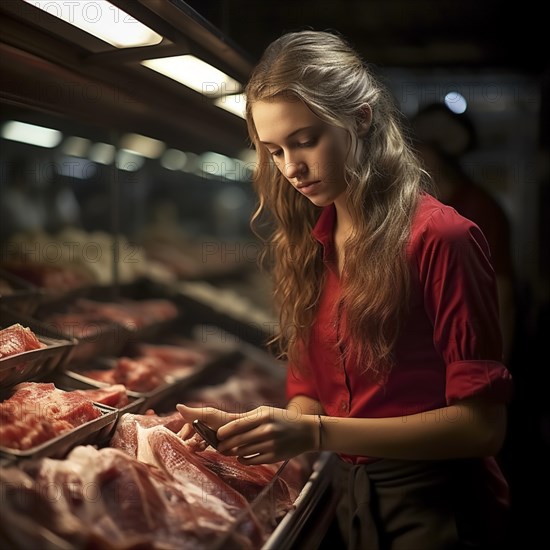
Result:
pixel 449 347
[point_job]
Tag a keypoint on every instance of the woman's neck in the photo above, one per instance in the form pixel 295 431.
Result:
pixel 342 231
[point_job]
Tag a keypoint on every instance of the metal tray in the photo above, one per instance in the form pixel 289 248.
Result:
pixel 34 364
pixel 109 338
pixel 24 297
pixel 150 399
pixel 66 382
pixel 95 432
pixel 291 527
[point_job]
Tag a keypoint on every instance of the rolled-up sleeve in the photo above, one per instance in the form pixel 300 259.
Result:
pixel 460 297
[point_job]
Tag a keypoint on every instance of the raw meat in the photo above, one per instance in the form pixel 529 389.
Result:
pixel 126 433
pixel 106 499
pixel 138 435
pixel 154 491
pixel 133 314
pixel 144 373
pixel 37 412
pixel 17 339
pixel 113 396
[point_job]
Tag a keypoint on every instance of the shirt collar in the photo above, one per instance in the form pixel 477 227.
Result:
pixel 324 228
pixel 323 231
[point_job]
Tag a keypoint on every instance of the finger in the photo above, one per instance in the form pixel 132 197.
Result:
pixel 189 413
pixel 186 431
pixel 256 440
pixel 211 416
pixel 253 460
pixel 206 414
pixel 243 423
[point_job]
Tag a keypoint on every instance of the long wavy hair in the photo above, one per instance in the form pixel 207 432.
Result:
pixel 384 181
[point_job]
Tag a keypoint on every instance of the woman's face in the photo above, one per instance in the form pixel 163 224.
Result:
pixel 310 153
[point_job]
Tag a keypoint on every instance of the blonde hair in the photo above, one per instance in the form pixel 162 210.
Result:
pixel 383 185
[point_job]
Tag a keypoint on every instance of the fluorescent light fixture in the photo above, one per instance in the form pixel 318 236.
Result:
pixel 214 164
pixel 173 159
pixel 31 134
pixel 194 73
pixel 191 163
pixel 102 153
pixel 75 146
pixel 235 103
pixel 129 161
pixel 142 145
pixel 102 19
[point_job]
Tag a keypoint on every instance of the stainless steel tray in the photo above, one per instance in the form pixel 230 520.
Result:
pixel 284 535
pixel 290 528
pixel 95 432
pixel 150 399
pixel 65 381
pixel 34 364
pixel 23 298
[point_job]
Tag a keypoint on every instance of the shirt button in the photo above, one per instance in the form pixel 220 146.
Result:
pixel 343 406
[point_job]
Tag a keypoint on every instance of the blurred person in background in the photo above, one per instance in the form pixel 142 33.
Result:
pixel 443 137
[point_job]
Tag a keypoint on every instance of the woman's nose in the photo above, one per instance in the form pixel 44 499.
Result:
pixel 295 169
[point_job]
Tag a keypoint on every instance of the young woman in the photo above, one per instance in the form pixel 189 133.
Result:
pixel 388 311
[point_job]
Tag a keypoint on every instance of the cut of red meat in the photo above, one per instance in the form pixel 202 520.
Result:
pixel 113 396
pixel 104 499
pixel 133 314
pixel 222 504
pixel 173 355
pixel 17 339
pixel 37 412
pixel 147 372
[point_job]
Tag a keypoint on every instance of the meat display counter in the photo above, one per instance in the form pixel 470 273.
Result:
pixel 89 484
pixel 139 465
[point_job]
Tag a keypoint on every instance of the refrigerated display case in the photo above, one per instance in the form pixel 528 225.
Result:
pixel 142 193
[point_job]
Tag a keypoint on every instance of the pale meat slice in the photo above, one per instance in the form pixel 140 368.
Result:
pixel 126 433
pixel 17 339
pixel 224 505
pixel 104 499
pixel 134 436
pixel 156 444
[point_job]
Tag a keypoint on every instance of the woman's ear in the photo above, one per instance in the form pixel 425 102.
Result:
pixel 364 120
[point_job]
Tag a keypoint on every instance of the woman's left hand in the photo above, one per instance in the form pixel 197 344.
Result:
pixel 263 435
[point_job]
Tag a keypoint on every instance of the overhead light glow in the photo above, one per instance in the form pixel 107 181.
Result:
pixel 173 159
pixel 192 163
pixel 194 73
pixel 31 134
pixel 142 145
pixel 456 102
pixel 102 19
pixel 129 161
pixel 102 153
pixel 75 146
pixel 215 164
pixel 235 103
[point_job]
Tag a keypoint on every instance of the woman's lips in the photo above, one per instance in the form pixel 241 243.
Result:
pixel 307 187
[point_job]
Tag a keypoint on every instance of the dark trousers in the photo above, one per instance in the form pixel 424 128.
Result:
pixel 421 505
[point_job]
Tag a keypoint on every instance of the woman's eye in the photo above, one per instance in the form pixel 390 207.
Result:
pixel 308 143
pixel 276 153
